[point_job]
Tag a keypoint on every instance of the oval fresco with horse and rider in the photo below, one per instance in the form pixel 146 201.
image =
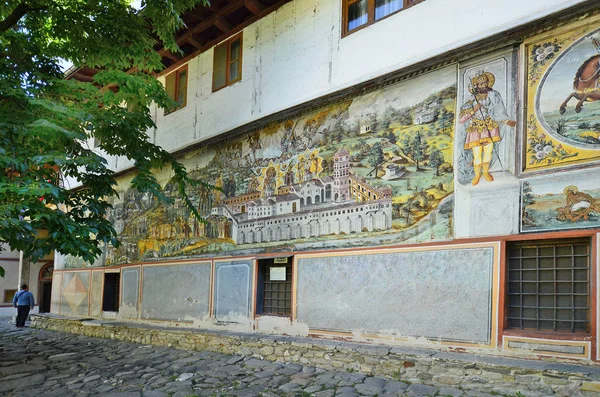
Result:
pixel 563 103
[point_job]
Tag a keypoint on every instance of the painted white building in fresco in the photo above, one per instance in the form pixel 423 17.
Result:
pixel 469 271
pixel 311 208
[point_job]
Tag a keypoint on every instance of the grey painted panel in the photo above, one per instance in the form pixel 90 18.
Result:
pixel 545 347
pixel 75 293
pixel 96 291
pixel 174 292
pixel 443 295
pixel 233 291
pixel 130 280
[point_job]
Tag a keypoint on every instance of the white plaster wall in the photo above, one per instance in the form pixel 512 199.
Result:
pixel 9 260
pixel 297 54
pixel 10 281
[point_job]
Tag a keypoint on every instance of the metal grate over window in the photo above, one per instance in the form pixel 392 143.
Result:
pixel 277 295
pixel 549 285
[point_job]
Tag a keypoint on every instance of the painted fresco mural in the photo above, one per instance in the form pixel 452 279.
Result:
pixel 559 202
pixel 370 170
pixel 563 93
pixel 486 120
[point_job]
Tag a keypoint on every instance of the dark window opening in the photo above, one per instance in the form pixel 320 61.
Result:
pixel 549 285
pixel 112 286
pixel 360 13
pixel 274 290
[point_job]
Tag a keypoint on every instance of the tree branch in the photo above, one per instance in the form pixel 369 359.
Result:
pixel 17 13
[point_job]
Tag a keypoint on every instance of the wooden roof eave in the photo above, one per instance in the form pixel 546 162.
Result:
pixel 199 36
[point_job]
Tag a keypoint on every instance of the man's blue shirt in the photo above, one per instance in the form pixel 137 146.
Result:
pixel 23 298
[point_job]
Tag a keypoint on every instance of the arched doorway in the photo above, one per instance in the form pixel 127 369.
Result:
pixel 45 287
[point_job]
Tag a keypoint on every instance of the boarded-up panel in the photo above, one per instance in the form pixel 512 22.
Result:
pixel 187 295
pixel 130 282
pixel 445 294
pixel 96 294
pixel 233 291
pixel 75 293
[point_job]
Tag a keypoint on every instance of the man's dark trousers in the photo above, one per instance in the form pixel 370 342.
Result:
pixel 22 313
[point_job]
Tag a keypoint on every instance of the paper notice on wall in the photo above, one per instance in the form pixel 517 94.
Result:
pixel 277 273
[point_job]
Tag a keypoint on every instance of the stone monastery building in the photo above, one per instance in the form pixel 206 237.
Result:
pixel 466 216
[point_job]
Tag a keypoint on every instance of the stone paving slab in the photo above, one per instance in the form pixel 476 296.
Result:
pixel 46 363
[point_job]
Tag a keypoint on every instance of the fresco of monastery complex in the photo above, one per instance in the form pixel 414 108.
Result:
pixel 563 97
pixel 370 170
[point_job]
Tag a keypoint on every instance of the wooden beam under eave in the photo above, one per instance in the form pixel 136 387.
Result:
pixel 254 6
pixel 82 77
pixel 196 43
pixel 170 55
pixel 207 45
pixel 207 23
pixel 223 25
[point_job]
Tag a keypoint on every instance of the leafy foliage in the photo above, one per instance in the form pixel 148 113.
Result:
pixel 46 121
pixel 436 158
pixel 415 147
pixel 376 158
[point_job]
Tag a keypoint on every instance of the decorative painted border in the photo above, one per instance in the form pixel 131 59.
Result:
pixel 523 90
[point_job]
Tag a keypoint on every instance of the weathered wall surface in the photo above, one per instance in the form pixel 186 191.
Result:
pixel 439 294
pixel 130 289
pixel 186 295
pixel 233 291
pixel 96 293
pixel 9 260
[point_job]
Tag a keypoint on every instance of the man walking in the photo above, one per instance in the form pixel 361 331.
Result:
pixel 23 301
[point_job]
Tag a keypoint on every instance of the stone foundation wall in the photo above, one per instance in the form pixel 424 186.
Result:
pixel 484 373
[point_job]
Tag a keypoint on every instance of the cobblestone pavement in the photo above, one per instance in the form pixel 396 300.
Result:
pixel 47 363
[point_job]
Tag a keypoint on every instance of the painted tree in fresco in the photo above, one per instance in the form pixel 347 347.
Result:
pixel 376 158
pixel 561 126
pixel 445 121
pixel 407 208
pixel 528 199
pixel 436 158
pixel 415 147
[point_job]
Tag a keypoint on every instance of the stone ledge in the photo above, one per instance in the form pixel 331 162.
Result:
pixel 416 365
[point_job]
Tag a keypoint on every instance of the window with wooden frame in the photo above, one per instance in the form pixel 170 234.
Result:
pixel 227 63
pixel 176 86
pixel 9 294
pixel 357 14
pixel 549 285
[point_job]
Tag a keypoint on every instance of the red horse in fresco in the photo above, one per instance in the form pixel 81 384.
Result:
pixel 586 86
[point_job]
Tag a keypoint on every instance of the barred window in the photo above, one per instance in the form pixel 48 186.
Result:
pixel 274 294
pixel 549 285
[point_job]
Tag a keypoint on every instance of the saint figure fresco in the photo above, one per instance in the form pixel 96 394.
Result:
pixel 482 114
